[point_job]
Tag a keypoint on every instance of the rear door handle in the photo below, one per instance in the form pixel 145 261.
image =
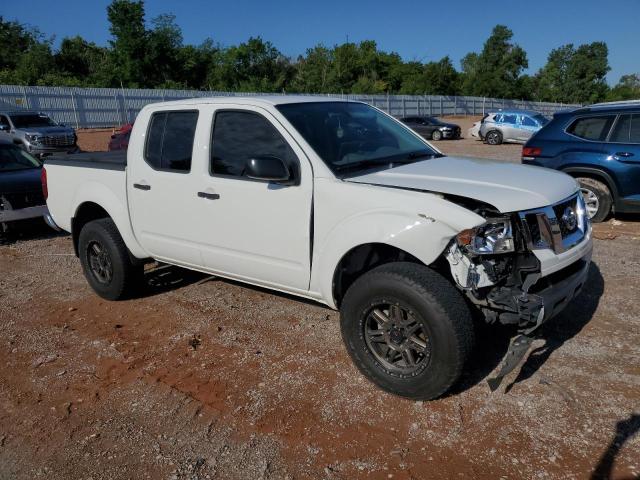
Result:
pixel 209 196
pixel 142 186
pixel 624 154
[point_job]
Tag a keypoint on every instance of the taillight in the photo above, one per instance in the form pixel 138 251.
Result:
pixel 43 180
pixel 531 151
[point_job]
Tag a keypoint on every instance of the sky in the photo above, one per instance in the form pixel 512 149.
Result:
pixel 417 30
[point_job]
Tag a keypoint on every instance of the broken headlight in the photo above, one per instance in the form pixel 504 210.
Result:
pixel 493 236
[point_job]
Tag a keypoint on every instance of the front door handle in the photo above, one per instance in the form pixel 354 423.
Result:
pixel 209 196
pixel 624 154
pixel 142 186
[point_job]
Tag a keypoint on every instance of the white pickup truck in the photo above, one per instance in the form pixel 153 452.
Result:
pixel 338 202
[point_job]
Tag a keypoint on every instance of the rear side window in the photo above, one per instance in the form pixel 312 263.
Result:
pixel 239 136
pixel 170 140
pixel 592 128
pixel 511 119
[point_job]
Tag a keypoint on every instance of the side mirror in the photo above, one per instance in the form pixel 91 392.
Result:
pixel 267 168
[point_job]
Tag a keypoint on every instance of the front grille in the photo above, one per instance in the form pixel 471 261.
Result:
pixel 57 140
pixel 559 227
pixel 16 201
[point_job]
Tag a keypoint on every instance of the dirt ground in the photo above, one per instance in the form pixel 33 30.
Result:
pixel 204 378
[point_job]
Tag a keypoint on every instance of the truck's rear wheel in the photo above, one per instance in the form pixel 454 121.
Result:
pixel 105 260
pixel 407 330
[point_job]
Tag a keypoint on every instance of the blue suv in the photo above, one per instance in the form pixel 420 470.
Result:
pixel 599 145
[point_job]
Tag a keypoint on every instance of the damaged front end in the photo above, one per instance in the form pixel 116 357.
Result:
pixel 497 268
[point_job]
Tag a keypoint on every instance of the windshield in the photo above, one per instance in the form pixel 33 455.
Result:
pixel 542 120
pixel 32 120
pixel 14 158
pixel 353 136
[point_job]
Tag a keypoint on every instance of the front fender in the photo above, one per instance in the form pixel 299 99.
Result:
pixel 418 234
pixel 117 209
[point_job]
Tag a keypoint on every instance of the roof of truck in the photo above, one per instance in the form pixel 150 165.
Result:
pixel 256 100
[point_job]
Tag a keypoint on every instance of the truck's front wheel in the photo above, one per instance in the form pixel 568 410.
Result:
pixel 407 330
pixel 105 260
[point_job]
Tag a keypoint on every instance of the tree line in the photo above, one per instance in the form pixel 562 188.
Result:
pixel 153 54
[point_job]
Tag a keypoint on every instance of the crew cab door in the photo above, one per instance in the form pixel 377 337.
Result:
pixel 252 229
pixel 161 185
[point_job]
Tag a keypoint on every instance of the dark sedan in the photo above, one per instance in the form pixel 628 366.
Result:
pixel 21 195
pixel 432 128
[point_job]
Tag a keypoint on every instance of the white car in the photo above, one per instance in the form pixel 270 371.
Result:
pixel 474 131
pixel 338 202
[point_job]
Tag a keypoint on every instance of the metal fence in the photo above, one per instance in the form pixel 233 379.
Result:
pixel 108 107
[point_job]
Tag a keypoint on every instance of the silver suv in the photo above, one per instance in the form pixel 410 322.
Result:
pixel 37 133
pixel 512 126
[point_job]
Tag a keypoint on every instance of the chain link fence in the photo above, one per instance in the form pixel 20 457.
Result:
pixel 109 107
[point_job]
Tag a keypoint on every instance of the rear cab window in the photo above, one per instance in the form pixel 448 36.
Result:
pixel 170 138
pixel 595 128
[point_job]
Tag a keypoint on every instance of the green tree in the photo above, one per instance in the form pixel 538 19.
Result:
pixel 130 41
pixel 574 75
pixel 496 71
pixel 628 88
pixel 253 66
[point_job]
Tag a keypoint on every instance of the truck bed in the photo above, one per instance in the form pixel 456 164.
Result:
pixel 102 160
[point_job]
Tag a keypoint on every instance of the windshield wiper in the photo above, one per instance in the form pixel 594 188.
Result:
pixel 389 161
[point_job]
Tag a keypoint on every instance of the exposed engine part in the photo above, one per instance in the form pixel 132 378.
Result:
pixel 467 274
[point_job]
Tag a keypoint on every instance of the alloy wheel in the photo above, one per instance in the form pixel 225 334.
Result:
pixel 591 201
pixel 397 339
pixel 99 262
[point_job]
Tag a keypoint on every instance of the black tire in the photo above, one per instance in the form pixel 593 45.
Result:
pixel 101 249
pixel 436 135
pixel 597 197
pixel 494 137
pixel 420 294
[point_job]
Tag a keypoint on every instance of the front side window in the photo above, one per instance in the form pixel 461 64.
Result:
pixel 14 158
pixel 350 136
pixel 170 140
pixel 592 128
pixel 4 122
pixel 528 122
pixel 239 136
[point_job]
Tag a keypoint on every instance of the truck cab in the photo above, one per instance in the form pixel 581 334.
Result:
pixel 338 202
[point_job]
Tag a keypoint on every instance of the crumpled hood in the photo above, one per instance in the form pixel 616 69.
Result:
pixel 507 186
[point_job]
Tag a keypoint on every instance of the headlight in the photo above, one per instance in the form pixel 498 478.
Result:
pixel 494 236
pixel 33 138
pixel 446 128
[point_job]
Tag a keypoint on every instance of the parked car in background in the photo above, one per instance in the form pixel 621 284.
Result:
pixel 120 139
pixel 338 202
pixel 432 128
pixel 37 133
pixel 21 195
pixel 474 131
pixel 599 146
pixel 511 126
